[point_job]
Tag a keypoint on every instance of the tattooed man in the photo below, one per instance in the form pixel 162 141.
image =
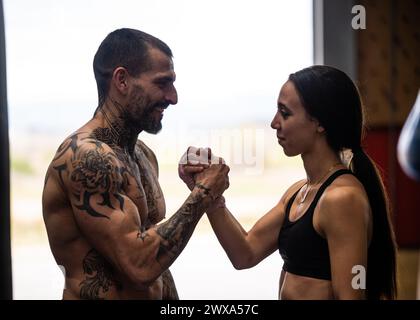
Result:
pixel 102 202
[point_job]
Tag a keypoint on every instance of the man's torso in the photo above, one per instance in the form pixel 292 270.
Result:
pixel 88 275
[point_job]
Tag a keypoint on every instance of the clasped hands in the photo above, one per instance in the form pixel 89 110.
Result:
pixel 199 167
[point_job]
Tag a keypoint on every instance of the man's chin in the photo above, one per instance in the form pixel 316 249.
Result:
pixel 153 131
pixel 154 128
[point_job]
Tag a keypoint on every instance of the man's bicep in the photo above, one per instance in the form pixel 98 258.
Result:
pixel 106 229
pixel 105 215
pixel 92 215
pixel 119 237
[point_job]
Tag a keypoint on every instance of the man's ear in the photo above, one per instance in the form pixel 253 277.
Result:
pixel 120 80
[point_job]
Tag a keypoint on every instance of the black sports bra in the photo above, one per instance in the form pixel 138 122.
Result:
pixel 302 249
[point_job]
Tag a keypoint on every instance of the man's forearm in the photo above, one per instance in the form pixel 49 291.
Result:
pixel 176 232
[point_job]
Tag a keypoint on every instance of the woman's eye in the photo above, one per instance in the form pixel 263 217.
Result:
pixel 284 113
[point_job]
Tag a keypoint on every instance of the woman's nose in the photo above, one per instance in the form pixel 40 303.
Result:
pixel 275 123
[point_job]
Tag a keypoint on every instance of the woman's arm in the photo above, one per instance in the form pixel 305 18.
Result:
pixel 247 249
pixel 344 219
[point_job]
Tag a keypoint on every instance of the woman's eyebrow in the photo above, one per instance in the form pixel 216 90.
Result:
pixel 280 104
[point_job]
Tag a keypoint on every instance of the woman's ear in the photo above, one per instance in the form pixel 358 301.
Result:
pixel 120 80
pixel 320 129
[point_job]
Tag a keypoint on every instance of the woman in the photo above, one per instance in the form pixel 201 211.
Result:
pixel 333 230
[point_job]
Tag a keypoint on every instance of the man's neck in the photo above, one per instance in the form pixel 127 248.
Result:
pixel 115 127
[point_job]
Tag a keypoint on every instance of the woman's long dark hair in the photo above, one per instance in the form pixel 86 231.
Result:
pixel 332 98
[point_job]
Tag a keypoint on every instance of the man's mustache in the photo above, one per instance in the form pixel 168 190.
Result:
pixel 159 105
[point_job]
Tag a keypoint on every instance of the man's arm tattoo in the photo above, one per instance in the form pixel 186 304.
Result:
pixel 169 288
pixel 95 173
pixel 179 228
pixel 91 172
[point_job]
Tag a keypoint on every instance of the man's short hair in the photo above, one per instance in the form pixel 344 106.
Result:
pixel 126 48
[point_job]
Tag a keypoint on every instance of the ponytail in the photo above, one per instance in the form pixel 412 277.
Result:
pixel 381 265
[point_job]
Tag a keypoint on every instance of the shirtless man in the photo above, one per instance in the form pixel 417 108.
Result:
pixel 102 201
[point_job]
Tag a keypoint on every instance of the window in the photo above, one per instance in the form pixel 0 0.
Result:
pixel 231 58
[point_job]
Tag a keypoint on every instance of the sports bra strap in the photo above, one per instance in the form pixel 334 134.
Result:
pixel 326 183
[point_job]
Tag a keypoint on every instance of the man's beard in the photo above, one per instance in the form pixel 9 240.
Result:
pixel 147 121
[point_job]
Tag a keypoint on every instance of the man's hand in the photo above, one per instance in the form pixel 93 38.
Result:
pixel 199 167
pixel 214 180
pixel 194 161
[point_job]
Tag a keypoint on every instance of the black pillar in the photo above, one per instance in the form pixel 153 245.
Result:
pixel 5 252
pixel 334 37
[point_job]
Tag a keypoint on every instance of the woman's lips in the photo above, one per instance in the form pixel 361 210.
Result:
pixel 280 138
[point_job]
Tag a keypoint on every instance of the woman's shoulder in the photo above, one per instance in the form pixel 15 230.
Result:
pixel 344 188
pixel 344 200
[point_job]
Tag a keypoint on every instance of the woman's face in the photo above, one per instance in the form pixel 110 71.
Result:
pixel 296 131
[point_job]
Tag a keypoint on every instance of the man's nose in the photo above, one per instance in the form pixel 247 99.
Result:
pixel 172 96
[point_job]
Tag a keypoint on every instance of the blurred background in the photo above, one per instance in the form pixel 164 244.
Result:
pixel 231 58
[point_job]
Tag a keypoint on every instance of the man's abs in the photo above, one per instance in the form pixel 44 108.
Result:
pixel 97 280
